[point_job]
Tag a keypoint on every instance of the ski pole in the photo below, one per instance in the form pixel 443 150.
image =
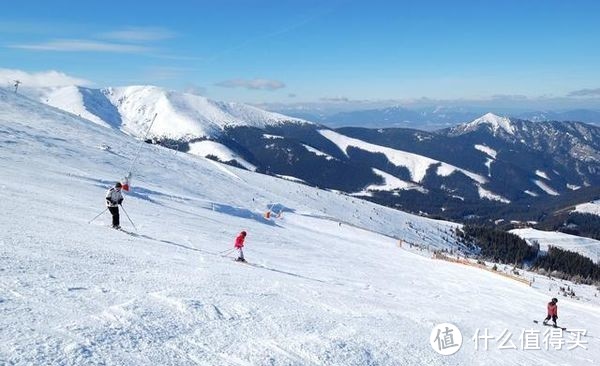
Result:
pixel 132 224
pixel 103 211
pixel 226 252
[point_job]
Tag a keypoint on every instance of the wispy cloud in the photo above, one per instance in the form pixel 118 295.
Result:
pixel 49 78
pixel 252 84
pixel 335 99
pixel 195 89
pixel 509 96
pixel 139 34
pixel 82 45
pixel 585 93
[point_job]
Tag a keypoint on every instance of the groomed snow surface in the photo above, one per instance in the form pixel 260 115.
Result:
pixel 327 283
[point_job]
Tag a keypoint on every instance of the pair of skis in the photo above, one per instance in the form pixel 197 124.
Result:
pixel 226 253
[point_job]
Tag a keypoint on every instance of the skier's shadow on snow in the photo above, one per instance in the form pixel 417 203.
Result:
pixel 151 195
pixel 135 192
pixel 146 195
pixel 284 272
pixel 243 213
pixel 219 254
pixel 173 243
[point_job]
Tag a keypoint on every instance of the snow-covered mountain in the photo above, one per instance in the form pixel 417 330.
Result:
pixel 455 173
pixel 582 115
pixel 495 123
pixel 431 118
pixel 179 116
pixel 327 283
pixel 579 140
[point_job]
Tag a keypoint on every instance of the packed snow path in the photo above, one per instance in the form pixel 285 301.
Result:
pixel 316 292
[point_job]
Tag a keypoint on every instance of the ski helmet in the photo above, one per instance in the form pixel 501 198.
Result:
pixel 243 233
pixel 554 299
pixel 118 185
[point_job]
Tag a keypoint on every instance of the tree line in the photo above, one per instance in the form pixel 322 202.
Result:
pixel 503 247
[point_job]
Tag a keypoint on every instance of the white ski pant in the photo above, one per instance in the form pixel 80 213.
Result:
pixel 240 253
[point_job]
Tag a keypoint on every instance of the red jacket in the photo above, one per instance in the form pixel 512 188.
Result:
pixel 239 241
pixel 552 309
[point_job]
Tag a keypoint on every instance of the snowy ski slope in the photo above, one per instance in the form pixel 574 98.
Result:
pixel 584 246
pixel 327 284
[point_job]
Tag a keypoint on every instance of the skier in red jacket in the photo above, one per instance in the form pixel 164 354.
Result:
pixel 239 244
pixel 552 311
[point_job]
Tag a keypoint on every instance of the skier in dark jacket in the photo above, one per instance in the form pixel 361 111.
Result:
pixel 552 312
pixel 114 198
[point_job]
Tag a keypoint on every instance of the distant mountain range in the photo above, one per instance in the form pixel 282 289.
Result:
pixel 432 118
pixel 489 168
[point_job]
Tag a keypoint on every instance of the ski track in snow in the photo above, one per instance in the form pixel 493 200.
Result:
pixel 321 289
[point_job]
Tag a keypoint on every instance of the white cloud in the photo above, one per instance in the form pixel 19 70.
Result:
pixel 585 93
pixel 195 89
pixel 254 84
pixel 49 78
pixel 139 34
pixel 336 99
pixel 82 45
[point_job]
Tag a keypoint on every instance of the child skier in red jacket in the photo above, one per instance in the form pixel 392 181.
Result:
pixel 552 311
pixel 239 244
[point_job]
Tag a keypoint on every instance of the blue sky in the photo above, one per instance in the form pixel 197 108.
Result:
pixel 288 51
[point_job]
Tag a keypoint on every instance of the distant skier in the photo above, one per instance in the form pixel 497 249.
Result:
pixel 113 199
pixel 552 311
pixel 239 244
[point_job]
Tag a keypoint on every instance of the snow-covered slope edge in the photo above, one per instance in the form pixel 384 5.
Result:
pixel 592 208
pixel 584 246
pixel 318 292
